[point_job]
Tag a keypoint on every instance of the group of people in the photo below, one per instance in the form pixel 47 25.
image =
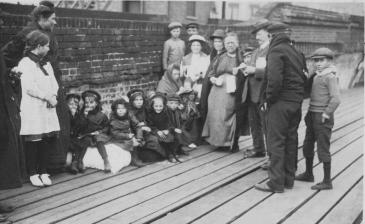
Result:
pixel 201 99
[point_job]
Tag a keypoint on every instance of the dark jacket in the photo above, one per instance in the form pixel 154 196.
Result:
pixel 159 122
pixel 121 127
pixel 254 85
pixel 284 71
pixel 175 118
pixel 12 159
pixel 94 121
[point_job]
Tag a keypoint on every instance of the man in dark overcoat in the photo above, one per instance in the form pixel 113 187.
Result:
pixel 44 19
pixel 284 94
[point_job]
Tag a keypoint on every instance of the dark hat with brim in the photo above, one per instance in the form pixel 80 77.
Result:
pixel 322 52
pixel 192 25
pixel 174 25
pixel 173 97
pixel 91 93
pixel 134 93
pixel 260 25
pixel 278 27
pixel 73 96
pixel 219 33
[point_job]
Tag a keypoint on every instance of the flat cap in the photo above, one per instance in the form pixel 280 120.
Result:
pixel 192 25
pixel 322 52
pixel 91 93
pixel 174 25
pixel 278 27
pixel 173 97
pixel 219 33
pixel 133 93
pixel 197 37
pixel 260 25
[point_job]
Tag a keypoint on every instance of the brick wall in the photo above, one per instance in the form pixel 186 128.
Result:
pixel 114 55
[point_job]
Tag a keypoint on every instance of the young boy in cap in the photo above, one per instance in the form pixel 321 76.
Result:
pixel 324 100
pixel 174 48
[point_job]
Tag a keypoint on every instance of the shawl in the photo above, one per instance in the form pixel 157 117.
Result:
pixel 167 84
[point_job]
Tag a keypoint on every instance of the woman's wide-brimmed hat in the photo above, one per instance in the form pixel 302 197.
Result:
pixel 196 37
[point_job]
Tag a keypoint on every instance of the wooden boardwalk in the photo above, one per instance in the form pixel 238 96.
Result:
pixel 208 187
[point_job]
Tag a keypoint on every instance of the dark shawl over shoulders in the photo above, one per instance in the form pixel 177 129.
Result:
pixel 12 160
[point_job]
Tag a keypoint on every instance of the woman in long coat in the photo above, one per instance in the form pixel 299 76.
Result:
pixel 43 19
pixel 220 125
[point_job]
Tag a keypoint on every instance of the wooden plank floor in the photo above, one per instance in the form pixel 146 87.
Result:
pixel 208 187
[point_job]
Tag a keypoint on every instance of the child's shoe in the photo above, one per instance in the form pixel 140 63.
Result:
pixel 171 159
pixel 35 181
pixel 322 186
pixel 73 168
pixel 45 179
pixel 135 160
pixel 192 146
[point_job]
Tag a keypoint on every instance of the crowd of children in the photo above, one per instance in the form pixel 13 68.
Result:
pixel 151 129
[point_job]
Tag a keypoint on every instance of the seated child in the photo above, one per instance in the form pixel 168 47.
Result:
pixel 121 124
pixel 190 117
pixel 151 150
pixel 324 100
pixel 159 122
pixel 94 125
pixel 183 138
pixel 77 147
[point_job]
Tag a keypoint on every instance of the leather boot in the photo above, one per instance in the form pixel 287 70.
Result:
pixel 135 159
pixel 307 176
pixel 80 163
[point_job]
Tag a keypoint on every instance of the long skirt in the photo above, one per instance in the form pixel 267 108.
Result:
pixel 117 156
pixel 220 124
pixel 12 161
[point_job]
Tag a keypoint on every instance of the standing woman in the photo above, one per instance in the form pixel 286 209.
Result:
pixel 40 125
pixel 43 18
pixel 218 49
pixel 220 125
pixel 195 65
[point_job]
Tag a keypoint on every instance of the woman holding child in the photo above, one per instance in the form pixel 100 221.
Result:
pixel 220 125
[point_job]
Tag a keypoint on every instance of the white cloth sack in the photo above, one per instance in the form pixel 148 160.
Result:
pixel 230 83
pixel 118 158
